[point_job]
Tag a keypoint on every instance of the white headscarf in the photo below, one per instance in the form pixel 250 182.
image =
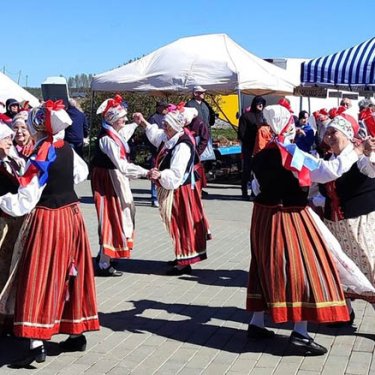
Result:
pixel 278 117
pixel 5 131
pixel 189 114
pixel 176 120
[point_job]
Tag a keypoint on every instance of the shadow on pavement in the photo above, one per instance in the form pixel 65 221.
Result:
pixel 220 277
pixel 191 324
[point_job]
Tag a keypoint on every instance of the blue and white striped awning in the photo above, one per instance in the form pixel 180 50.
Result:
pixel 353 69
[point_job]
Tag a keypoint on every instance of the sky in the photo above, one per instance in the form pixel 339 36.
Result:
pixel 69 37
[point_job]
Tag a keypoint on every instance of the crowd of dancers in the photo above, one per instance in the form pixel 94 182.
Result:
pixel 299 271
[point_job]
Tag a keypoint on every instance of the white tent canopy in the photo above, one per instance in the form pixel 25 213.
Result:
pixel 10 89
pixel 213 61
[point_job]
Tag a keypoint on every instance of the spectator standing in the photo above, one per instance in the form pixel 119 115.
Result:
pixel 12 108
pixel 248 125
pixel 75 133
pixel 346 102
pixel 207 115
pixel 304 132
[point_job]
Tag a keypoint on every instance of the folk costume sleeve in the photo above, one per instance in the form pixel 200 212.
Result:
pixel 155 135
pixel 366 167
pixel 330 170
pixel 80 169
pixel 128 130
pixel 24 201
pixel 172 177
pixel 112 150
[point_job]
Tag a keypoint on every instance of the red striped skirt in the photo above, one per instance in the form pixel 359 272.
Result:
pixel 112 237
pixel 202 182
pixel 188 226
pixel 292 275
pixel 55 287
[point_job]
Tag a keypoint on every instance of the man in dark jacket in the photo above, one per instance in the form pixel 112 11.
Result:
pixel 247 131
pixel 12 107
pixel 75 133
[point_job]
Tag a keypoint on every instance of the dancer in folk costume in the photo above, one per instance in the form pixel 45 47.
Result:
pixel 110 185
pixel 55 281
pixel 349 210
pixel 286 241
pixel 180 203
pixel 10 167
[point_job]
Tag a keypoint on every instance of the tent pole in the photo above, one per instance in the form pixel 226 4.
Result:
pixel 91 120
pixel 239 103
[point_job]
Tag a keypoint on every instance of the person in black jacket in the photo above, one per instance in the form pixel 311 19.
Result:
pixel 75 133
pixel 247 131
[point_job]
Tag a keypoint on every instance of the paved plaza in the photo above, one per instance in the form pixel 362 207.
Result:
pixel 192 324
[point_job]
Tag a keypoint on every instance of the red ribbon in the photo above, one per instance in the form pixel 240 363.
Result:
pixel 336 210
pixel 333 112
pixel 368 117
pixel 113 103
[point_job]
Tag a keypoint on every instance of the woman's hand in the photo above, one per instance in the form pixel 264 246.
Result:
pixel 139 119
pixel 154 174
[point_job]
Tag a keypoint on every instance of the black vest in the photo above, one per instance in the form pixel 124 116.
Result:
pixel 100 159
pixel 356 193
pixel 59 191
pixel 8 182
pixel 277 184
pixel 166 160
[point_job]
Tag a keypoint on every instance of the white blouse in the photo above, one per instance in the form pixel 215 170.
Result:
pixel 112 150
pixel 330 170
pixel 27 197
pixel 173 177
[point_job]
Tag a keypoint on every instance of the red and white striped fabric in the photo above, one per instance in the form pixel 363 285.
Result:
pixel 292 274
pixel 112 235
pixel 187 224
pixel 57 273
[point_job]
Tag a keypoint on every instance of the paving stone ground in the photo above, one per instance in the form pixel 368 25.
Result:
pixel 195 324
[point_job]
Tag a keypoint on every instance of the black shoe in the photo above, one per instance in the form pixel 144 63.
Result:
pixel 177 272
pixel 255 332
pixel 74 344
pixel 172 262
pixel 204 193
pixel 110 271
pixel 307 343
pixel 349 323
pixel 38 354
